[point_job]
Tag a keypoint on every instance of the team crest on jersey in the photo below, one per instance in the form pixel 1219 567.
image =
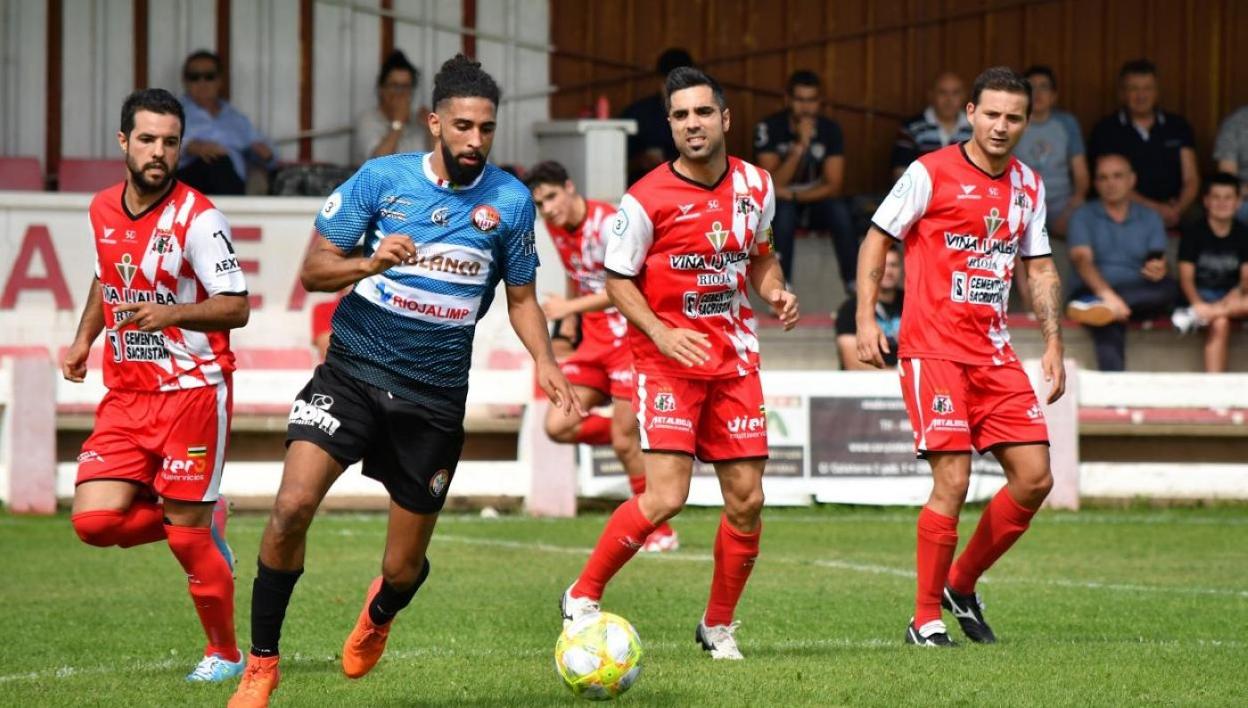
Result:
pixel 717 236
pixel 441 216
pixel 485 218
pixel 437 483
pixel 665 401
pixel 993 221
pixel 126 268
pixel 163 242
pixel 745 205
pixel 942 404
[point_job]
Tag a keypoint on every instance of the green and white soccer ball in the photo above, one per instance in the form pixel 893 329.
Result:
pixel 598 656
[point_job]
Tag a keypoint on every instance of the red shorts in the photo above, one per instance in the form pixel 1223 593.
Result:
pixel 715 419
pixel 602 367
pixel 955 407
pixel 170 441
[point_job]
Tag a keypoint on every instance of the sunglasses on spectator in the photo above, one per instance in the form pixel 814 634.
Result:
pixel 194 76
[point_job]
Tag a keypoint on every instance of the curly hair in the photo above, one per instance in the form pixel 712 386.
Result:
pixel 461 77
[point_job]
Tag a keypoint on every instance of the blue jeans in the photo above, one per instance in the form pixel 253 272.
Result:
pixel 830 214
pixel 1146 300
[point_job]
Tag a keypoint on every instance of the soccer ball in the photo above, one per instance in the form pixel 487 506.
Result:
pixel 598 656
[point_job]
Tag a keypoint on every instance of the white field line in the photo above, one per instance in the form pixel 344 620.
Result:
pixel 1064 518
pixel 67 672
pixel 868 568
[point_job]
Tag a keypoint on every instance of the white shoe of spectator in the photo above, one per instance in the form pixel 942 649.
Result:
pixel 1185 320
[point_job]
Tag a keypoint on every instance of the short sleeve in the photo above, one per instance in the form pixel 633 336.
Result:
pixel 520 248
pixel 1074 135
pixel 347 212
pixel 632 234
pixel 1035 240
pixel 1184 130
pixel 1188 248
pixel 764 243
pixel 847 317
pixel 764 138
pixel 94 236
pixel 210 252
pixel 906 203
pixel 1079 231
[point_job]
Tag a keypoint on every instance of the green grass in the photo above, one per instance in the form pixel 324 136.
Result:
pixel 1107 607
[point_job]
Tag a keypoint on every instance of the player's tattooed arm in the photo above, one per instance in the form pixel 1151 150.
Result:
pixel 1046 296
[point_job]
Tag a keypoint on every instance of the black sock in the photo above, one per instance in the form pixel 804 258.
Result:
pixel 270 594
pixel 389 601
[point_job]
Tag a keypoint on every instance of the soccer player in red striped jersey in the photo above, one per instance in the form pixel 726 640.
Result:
pixel 167 290
pixel 964 213
pixel 601 369
pixel 687 239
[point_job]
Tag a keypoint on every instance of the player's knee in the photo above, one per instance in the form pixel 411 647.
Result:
pixel 560 429
pixel 952 491
pixel 743 510
pixel 292 514
pixel 97 528
pixel 665 503
pixel 402 573
pixel 1036 489
pixel 624 442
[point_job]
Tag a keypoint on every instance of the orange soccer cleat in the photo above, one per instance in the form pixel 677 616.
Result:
pixel 367 641
pixel 260 680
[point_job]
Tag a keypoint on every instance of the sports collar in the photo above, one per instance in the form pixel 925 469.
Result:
pixel 427 164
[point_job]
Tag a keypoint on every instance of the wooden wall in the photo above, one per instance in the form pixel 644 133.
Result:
pixel 877 58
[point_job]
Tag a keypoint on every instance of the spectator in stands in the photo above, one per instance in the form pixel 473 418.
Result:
pixel 1213 269
pixel 887 315
pixel 652 144
pixel 1159 144
pixel 1118 249
pixel 392 126
pixel 942 123
pixel 1231 153
pixel 1053 146
pixel 804 152
pixel 220 142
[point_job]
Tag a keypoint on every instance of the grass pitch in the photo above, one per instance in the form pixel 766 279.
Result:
pixel 1103 607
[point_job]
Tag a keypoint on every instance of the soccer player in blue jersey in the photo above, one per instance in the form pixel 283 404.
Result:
pixel 437 231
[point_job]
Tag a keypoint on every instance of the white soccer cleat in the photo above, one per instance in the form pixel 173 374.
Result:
pixel 574 608
pixel 719 640
pixel 214 669
pixel 659 542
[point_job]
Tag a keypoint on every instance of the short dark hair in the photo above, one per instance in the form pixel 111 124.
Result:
pixel 155 100
pixel 1041 70
pixel 461 77
pixel 202 54
pixel 1001 78
pixel 686 77
pixel 802 77
pixel 1222 179
pixel 672 59
pixel 548 172
pixel 397 61
pixel 1137 67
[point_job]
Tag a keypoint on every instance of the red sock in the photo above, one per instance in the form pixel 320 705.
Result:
pixel 938 538
pixel 1004 520
pixel 142 523
pixel 637 484
pixel 625 531
pixel 211 584
pixel 595 430
pixel 735 552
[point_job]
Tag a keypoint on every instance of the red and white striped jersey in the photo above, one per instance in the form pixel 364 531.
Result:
pixel 687 247
pixel 962 229
pixel 178 251
pixel 582 252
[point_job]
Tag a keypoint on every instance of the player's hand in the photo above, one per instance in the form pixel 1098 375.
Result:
pixel 1054 371
pixel 557 388
pixel 556 308
pixel 872 344
pixel 393 250
pixel 784 305
pixel 146 317
pixel 74 368
pixel 689 347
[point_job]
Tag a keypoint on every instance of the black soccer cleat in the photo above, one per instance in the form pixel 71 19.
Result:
pixel 969 611
pixel 932 634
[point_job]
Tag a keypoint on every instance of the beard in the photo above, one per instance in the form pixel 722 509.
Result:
pixel 142 184
pixel 461 174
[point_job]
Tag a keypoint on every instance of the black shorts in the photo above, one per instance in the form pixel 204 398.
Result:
pixel 411 447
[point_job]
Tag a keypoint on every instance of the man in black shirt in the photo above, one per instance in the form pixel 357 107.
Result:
pixel 804 152
pixel 887 315
pixel 1213 269
pixel 652 144
pixel 1159 144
